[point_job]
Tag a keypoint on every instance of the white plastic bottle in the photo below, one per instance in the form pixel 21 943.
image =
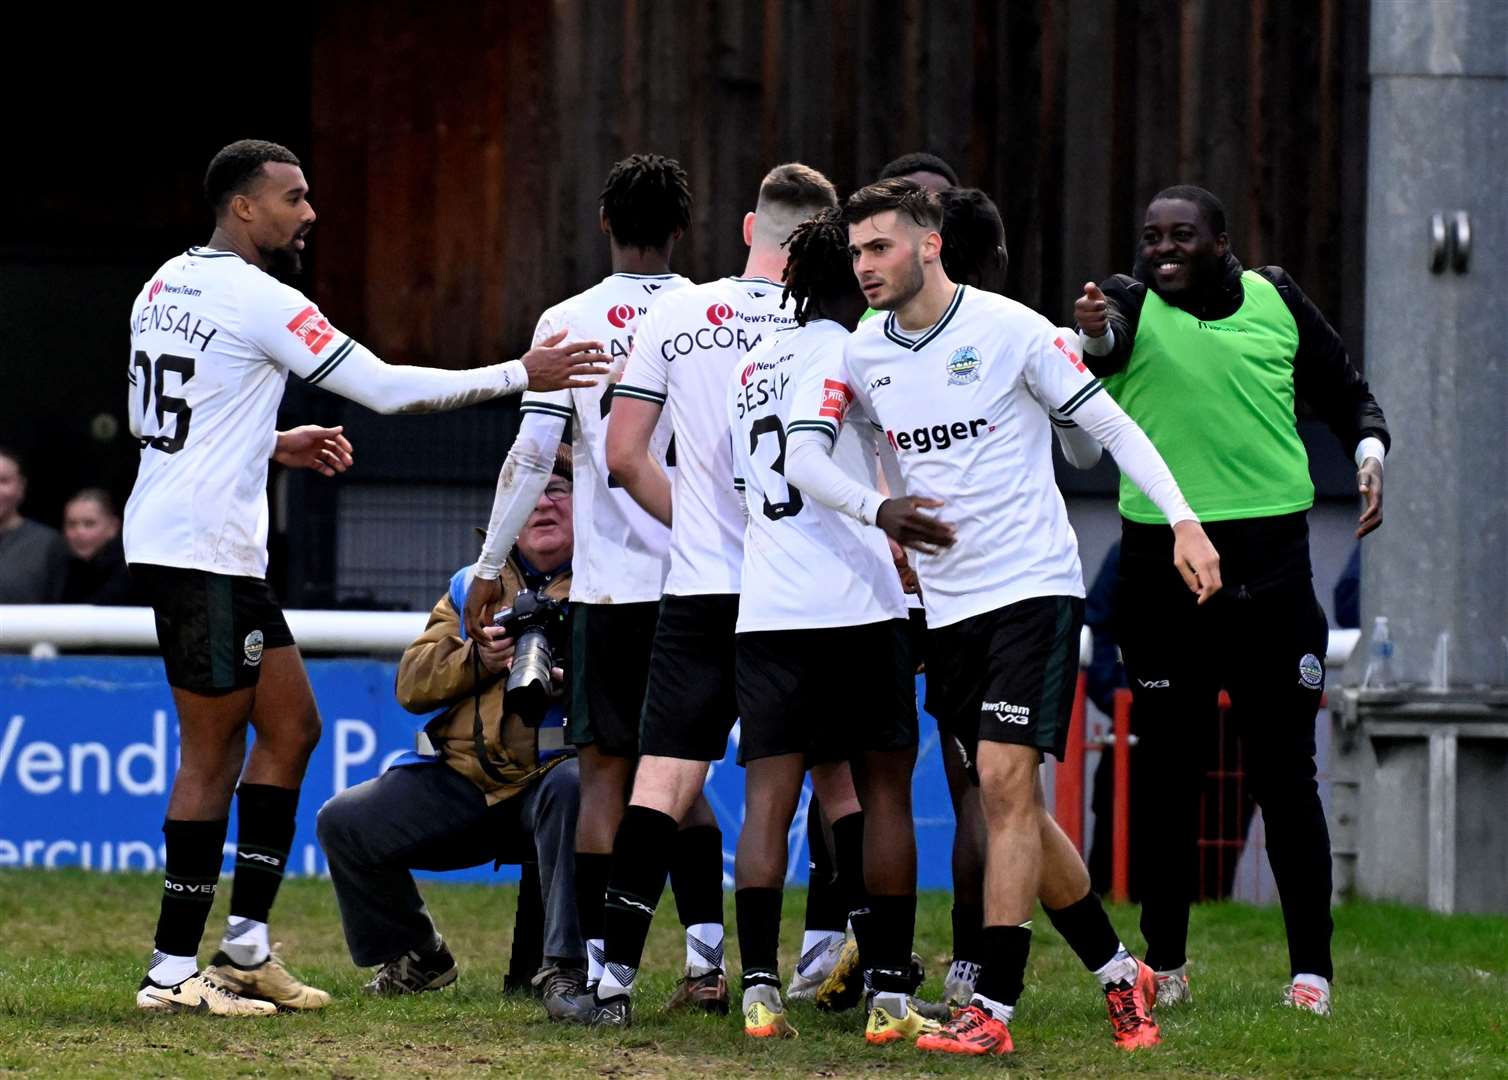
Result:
pixel 1379 673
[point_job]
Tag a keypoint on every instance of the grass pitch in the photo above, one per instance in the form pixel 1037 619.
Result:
pixel 1418 995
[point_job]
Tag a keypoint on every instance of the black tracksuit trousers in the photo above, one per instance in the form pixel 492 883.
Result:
pixel 1262 639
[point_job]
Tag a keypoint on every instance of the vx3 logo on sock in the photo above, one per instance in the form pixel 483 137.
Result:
pixel 257 857
pixel 630 902
pixel 1154 684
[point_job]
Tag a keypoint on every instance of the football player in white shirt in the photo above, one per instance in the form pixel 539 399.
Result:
pixel 214 336
pixel 684 353
pixel 823 672
pixel 974 253
pixel 620 560
pixel 962 383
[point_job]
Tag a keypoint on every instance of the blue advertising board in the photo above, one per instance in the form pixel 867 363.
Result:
pixel 89 747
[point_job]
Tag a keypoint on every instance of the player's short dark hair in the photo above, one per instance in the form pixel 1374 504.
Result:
pixel 1211 208
pixel 817 264
pixel 98 496
pixel 794 186
pixel 646 199
pixel 973 234
pixel 232 170
pixel 920 161
pixel 906 196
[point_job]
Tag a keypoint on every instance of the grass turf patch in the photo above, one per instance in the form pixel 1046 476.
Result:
pixel 1417 995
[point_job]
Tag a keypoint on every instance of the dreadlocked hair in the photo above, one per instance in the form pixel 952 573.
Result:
pixel 817 264
pixel 646 199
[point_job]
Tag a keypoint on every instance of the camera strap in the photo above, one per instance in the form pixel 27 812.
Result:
pixel 478 736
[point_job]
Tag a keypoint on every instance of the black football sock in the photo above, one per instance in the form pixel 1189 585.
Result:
pixel 758 912
pixel 1086 928
pixel 195 850
pixel 1003 972
pixel 641 862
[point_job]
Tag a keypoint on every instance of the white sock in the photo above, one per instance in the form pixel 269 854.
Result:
pixel 617 981
pixel 893 1003
pixel 1122 968
pixel 769 996
pixel 595 951
pixel 964 971
pixel 1319 982
pixel 168 970
pixel 1000 1012
pixel 816 944
pixel 245 941
pixel 704 948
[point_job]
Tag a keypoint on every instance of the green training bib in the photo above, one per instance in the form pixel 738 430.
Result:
pixel 1216 399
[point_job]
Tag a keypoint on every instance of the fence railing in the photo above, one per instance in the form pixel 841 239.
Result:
pixel 1069 779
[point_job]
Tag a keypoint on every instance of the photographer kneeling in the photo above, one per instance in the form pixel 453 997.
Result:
pixel 498 786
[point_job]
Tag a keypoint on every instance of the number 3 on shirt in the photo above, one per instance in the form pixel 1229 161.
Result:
pixel 151 386
pixel 766 425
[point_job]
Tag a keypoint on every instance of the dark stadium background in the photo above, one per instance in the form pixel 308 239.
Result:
pixel 455 154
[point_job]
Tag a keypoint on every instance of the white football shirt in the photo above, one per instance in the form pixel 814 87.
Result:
pixel 213 339
pixel 804 565
pixel 964 404
pixel 621 552
pixel 684 354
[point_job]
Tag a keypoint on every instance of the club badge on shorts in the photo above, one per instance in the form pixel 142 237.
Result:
pixel 252 647
pixel 963 366
pixel 1311 672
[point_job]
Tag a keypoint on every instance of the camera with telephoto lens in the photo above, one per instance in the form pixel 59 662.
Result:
pixel 532 622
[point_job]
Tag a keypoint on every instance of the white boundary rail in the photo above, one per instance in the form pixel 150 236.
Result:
pixel 82 626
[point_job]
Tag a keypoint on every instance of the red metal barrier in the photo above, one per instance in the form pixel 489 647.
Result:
pixel 1068 785
pixel 1120 852
pixel 1068 782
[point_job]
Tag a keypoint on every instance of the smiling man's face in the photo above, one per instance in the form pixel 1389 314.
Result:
pixel 1178 247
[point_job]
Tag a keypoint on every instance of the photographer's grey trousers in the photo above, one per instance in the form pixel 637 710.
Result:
pixel 428 817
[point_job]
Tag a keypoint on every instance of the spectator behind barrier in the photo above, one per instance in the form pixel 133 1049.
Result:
pixel 491 788
pixel 97 571
pixel 33 558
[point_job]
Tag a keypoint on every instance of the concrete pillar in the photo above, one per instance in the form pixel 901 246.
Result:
pixel 1421 772
pixel 1437 341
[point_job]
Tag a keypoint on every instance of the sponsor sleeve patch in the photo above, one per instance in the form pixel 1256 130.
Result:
pixel 312 328
pixel 1073 357
pixel 836 398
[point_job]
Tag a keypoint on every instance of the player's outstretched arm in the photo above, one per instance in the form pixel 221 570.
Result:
pixel 810 467
pixel 1193 554
pixel 388 388
pixel 520 482
pixel 630 427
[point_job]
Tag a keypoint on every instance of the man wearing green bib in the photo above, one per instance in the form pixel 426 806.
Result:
pixel 1208 358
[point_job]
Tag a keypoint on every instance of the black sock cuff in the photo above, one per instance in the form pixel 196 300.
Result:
pixel 849 829
pixel 275 802
pixel 641 853
pixel 648 823
pixel 696 874
pixel 195 849
pixel 968 932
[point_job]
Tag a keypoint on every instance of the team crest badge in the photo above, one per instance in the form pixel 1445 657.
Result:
pixel 252 647
pixel 963 366
pixel 1311 672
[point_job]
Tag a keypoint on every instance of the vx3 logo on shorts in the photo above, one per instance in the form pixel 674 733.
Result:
pixel 1154 684
pixel 1008 713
